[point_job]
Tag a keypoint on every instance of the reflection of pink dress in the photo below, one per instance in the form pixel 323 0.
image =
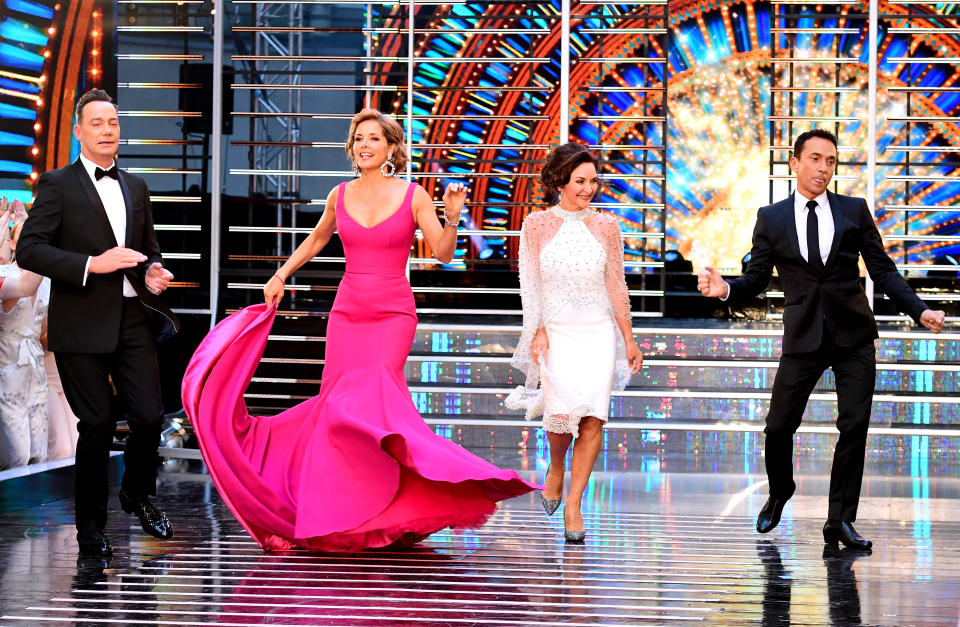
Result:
pixel 356 466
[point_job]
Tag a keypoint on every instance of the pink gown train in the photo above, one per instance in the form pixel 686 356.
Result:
pixel 355 467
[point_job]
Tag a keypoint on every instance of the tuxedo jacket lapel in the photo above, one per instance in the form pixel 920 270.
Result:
pixel 129 206
pixel 790 225
pixel 839 225
pixel 94 199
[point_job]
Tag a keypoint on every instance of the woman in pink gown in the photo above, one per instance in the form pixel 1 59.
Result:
pixel 354 467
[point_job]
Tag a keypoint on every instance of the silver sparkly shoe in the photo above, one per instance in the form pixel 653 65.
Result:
pixel 549 505
pixel 574 537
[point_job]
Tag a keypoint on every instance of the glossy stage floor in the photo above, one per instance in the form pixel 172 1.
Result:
pixel 670 540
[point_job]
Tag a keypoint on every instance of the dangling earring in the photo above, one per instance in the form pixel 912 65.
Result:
pixel 388 165
pixel 356 170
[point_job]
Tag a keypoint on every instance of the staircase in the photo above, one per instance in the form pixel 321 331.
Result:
pixel 706 376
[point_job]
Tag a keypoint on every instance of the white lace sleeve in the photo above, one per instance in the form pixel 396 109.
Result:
pixel 616 286
pixel 528 397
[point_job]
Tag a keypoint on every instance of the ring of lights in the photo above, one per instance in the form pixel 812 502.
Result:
pixel 718 128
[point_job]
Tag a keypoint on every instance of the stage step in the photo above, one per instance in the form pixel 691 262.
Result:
pixel 696 372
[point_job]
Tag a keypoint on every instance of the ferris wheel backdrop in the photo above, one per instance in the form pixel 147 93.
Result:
pixel 692 106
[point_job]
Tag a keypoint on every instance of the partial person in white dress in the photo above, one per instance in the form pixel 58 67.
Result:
pixel 62 433
pixel 24 397
pixel 577 342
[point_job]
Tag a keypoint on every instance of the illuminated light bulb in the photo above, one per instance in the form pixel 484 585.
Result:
pixel 35 151
pixel 34 175
pixel 36 126
pixel 51 30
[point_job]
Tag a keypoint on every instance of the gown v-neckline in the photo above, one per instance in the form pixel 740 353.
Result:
pixel 342 201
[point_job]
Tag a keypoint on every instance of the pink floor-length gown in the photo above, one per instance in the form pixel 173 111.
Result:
pixel 355 467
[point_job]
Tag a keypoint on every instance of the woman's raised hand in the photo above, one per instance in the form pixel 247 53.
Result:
pixel 453 198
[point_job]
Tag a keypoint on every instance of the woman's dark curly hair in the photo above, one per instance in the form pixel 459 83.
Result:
pixel 560 165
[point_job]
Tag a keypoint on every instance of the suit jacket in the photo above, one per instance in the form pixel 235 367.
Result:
pixel 66 225
pixel 832 296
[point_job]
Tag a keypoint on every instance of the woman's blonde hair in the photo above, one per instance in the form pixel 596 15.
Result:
pixel 392 132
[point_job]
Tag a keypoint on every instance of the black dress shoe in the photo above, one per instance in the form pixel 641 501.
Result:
pixel 152 520
pixel 769 516
pixel 91 571
pixel 94 544
pixel 835 531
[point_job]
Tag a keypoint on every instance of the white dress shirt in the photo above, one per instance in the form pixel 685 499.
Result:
pixel 824 224
pixel 112 198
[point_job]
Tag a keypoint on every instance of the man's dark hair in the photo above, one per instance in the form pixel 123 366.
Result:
pixel 560 165
pixel 94 95
pixel 822 133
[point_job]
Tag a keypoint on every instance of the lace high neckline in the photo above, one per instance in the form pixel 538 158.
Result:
pixel 569 215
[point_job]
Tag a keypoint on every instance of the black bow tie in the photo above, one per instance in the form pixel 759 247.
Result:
pixel 99 173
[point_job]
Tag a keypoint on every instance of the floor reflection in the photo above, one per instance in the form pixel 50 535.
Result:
pixel 842 592
pixel 295 589
pixel 776 586
pixel 671 542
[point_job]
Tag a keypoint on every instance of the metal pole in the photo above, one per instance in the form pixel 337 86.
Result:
pixel 410 70
pixel 368 50
pixel 872 124
pixel 564 72
pixel 216 173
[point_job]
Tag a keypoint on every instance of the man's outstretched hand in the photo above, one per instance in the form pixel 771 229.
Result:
pixel 158 278
pixel 711 284
pixel 933 320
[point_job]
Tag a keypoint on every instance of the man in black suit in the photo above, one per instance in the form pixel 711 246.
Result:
pixel 814 238
pixel 91 231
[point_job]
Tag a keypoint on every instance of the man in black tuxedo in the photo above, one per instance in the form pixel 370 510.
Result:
pixel 91 231
pixel 814 238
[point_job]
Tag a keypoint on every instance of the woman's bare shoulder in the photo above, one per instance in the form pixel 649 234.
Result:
pixel 333 196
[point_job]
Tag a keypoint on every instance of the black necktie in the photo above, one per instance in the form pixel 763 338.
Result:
pixel 813 236
pixel 99 173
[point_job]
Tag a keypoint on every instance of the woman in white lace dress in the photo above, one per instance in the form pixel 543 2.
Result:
pixel 23 379
pixel 577 342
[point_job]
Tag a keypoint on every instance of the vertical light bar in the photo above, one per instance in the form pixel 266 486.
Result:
pixel 368 43
pixel 216 154
pixel 564 71
pixel 872 124
pixel 291 182
pixel 410 70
